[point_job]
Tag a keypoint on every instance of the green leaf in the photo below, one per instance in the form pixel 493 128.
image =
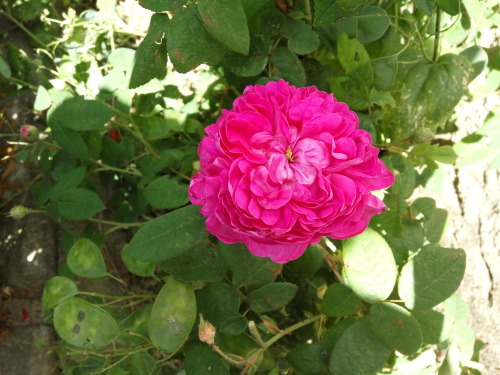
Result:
pixel 42 100
pixel 84 325
pixel 452 7
pixel 301 37
pixel 4 68
pixel 137 324
pixel 339 300
pixel 80 114
pixel 71 141
pixel 435 224
pixel 432 324
pixel 358 351
pixel 199 263
pixel 272 296
pixel 153 127
pixel 255 62
pixel 395 327
pixel 173 315
pixel 329 11
pixel 335 332
pixel 56 290
pixel 308 263
pixel 426 5
pixel 85 259
pixel 79 204
pixel 369 266
pixel 168 236
pixel 248 270
pixel 425 205
pixel 308 358
pixel 162 5
pixel 354 59
pixel 166 193
pixel 200 359
pixel 70 180
pixel 478 59
pixel 271 23
pixel 431 276
pixel 189 43
pixel 384 71
pixel 151 55
pixel 218 302
pixel 288 66
pixel 122 59
pixel 137 267
pixel 368 25
pixel 140 363
pixel 350 91
pixel 351 4
pixel 225 21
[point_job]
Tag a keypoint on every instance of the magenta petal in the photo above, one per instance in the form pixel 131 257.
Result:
pixel 278 252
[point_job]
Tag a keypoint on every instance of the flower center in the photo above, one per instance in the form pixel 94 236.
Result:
pixel 289 154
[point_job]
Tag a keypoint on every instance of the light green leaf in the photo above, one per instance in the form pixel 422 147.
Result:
pixel 225 21
pixel 431 276
pixel 434 226
pixel 80 114
pixel 426 5
pixel 79 204
pixel 137 324
pixel 85 259
pixel 173 315
pixel 138 267
pixel 56 290
pixel 168 236
pixel 82 324
pixel 288 66
pixel 395 327
pixel 354 59
pixel 42 100
pixel 4 68
pixel 301 37
pixel 358 351
pixel 478 59
pixel 368 25
pixel 272 296
pixel 384 71
pixel 369 266
pixel 151 55
pixel 339 300
pixel 166 193
pixel 189 43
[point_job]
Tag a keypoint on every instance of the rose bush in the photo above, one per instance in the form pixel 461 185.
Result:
pixel 284 167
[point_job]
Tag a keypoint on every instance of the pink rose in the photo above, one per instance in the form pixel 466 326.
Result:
pixel 285 167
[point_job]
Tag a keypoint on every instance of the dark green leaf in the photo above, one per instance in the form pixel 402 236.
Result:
pixel 70 180
pixel 426 5
pixel 431 277
pixel 80 114
pixel 151 55
pixel 168 236
pixel 433 326
pixel 288 66
pixel 200 359
pixel 384 71
pixel 301 37
pixel 425 205
pixel 271 23
pixel 329 11
pixel 153 127
pixel 162 5
pixel 249 270
pixel 56 290
pixel 308 358
pixel 351 4
pixel 308 263
pixel 166 193
pixel 173 315
pixel 435 224
pixel 255 62
pixel 85 259
pixel 199 263
pixel 82 324
pixel 358 351
pixel 218 302
pixel 339 300
pixel 452 7
pixel 366 26
pixel 136 324
pixel 225 21
pixel 71 141
pixel 369 266
pixel 79 204
pixel 4 68
pixel 350 91
pixel 272 296
pixel 140 363
pixel 335 332
pixel 395 327
pixel 189 43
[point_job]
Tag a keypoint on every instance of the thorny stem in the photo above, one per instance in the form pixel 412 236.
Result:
pixel 436 37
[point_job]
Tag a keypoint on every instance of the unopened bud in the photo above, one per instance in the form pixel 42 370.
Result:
pixel 29 133
pixel 18 212
pixel 206 331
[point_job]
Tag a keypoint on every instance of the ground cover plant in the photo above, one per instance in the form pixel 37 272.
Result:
pixel 117 143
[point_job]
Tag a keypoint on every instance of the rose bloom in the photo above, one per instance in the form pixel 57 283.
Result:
pixel 285 167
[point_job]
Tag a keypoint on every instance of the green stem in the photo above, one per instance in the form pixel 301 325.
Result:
pixel 117 279
pixel 115 223
pixel 307 10
pixel 118 298
pixel 435 55
pixel 105 167
pixel 21 26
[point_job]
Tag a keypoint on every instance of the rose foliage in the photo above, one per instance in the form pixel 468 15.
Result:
pixel 284 168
